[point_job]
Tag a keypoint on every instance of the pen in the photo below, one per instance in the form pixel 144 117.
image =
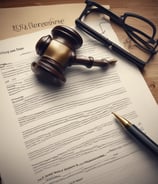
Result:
pixel 137 133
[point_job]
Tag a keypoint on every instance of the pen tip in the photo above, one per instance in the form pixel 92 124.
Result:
pixel 115 114
pixel 122 120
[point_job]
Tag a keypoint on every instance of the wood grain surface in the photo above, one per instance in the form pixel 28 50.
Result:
pixel 146 8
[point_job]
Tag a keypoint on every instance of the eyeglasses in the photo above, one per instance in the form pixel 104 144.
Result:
pixel 145 41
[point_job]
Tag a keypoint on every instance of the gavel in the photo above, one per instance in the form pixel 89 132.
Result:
pixel 58 51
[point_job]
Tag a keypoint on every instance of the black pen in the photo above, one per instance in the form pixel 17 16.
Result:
pixel 138 134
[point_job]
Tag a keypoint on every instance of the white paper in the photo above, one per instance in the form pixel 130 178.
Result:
pixel 67 134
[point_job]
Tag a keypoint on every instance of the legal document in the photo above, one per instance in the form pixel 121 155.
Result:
pixel 66 134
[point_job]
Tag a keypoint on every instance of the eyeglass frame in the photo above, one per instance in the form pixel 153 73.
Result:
pixel 120 21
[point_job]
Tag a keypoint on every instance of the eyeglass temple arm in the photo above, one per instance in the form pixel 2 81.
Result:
pixel 109 44
pixel 119 20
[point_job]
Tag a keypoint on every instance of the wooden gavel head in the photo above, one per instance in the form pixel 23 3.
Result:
pixel 59 51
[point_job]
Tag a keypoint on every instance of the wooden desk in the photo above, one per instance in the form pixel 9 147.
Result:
pixel 146 8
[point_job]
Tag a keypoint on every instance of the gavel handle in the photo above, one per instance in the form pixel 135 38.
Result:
pixel 90 61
